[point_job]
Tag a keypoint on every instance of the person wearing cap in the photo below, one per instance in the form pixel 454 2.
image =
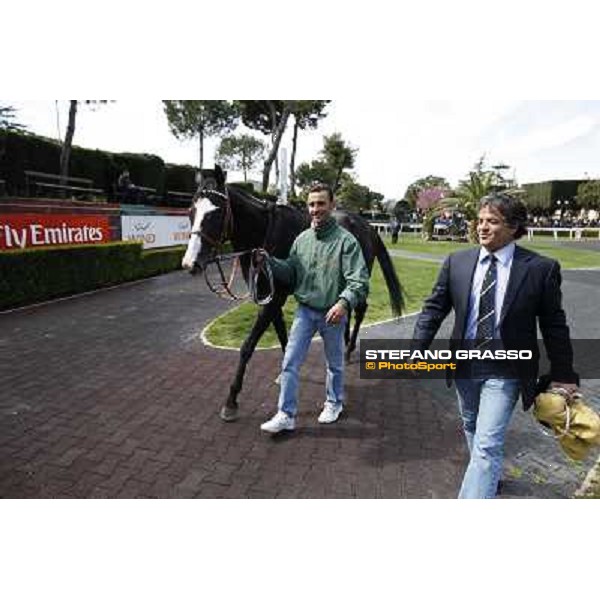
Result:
pixel 500 293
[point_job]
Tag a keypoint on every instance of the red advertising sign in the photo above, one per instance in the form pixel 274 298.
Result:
pixel 38 230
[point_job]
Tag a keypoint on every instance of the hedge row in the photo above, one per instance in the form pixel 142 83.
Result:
pixel 38 274
pixel 20 152
pixel 546 194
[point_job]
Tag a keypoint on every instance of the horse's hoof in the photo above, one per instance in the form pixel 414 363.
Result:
pixel 229 414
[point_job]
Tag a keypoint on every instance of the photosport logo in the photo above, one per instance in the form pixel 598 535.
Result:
pixel 405 359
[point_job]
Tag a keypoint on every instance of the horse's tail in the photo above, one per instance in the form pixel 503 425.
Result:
pixel 391 278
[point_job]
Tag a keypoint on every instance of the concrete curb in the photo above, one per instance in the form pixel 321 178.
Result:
pixel 276 346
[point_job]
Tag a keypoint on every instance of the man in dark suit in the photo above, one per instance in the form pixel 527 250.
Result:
pixel 500 292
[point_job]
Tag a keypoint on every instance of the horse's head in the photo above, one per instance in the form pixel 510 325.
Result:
pixel 209 218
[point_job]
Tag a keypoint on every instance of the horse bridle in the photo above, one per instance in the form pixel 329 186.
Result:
pixel 227 227
pixel 217 258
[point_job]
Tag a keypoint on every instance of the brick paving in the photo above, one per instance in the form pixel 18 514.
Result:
pixel 113 395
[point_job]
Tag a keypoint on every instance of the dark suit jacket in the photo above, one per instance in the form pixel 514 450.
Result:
pixel 533 296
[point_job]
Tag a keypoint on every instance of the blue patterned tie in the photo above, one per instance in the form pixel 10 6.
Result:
pixel 486 320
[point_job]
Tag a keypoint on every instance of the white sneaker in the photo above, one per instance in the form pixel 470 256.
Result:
pixel 280 422
pixel 330 412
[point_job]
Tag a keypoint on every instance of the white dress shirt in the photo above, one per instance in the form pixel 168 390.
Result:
pixel 503 266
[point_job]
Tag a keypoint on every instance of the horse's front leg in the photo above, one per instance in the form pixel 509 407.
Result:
pixel 229 412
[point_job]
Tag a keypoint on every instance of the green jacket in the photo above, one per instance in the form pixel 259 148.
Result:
pixel 324 266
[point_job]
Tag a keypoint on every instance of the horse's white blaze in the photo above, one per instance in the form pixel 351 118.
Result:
pixel 203 207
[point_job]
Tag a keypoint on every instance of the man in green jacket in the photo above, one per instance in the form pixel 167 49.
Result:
pixel 328 273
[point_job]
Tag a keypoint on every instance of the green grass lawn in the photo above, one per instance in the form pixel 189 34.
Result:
pixel 416 276
pixel 568 256
pixel 420 246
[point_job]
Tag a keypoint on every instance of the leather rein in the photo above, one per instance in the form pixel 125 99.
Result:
pixel 258 260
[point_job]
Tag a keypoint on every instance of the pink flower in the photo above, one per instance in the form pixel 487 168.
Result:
pixel 430 196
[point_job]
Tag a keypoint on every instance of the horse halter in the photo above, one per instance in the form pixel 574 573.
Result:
pixel 223 288
pixel 227 227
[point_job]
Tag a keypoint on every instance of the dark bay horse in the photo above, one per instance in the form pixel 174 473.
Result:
pixel 222 213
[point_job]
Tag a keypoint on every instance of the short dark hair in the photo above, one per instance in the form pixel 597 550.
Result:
pixel 511 208
pixel 317 186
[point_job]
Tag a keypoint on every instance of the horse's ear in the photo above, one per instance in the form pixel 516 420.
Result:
pixel 220 176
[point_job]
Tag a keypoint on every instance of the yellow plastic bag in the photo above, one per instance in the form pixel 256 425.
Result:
pixel 574 423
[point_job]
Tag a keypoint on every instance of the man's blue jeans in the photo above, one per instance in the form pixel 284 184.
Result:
pixel 486 405
pixel 306 323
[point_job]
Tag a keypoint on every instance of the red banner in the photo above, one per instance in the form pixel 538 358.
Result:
pixel 36 230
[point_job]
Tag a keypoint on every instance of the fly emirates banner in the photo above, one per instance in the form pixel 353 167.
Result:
pixel 19 231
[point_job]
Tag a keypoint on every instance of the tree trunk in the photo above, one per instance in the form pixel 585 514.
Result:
pixel 276 141
pixel 472 232
pixel 338 176
pixel 65 154
pixel 274 127
pixel 201 144
pixel 293 160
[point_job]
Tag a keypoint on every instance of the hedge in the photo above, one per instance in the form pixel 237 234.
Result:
pixel 20 152
pixel 546 194
pixel 180 178
pixel 37 274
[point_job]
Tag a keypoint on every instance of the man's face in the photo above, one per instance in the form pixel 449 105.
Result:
pixel 492 229
pixel 319 207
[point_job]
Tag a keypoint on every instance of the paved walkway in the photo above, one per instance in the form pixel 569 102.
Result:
pixel 535 467
pixel 416 255
pixel 112 394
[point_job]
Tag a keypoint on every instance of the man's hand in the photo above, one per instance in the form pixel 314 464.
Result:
pixel 570 388
pixel 258 257
pixel 336 313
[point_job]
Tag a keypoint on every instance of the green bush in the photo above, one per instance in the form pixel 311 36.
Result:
pixel 34 275
pixel 20 152
pixel 590 234
pixel 162 260
pixel 95 165
pixel 538 195
pixel 546 194
pixel 180 178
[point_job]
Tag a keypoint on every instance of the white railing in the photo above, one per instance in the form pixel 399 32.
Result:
pixel 575 233
pixel 572 233
pixel 383 227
